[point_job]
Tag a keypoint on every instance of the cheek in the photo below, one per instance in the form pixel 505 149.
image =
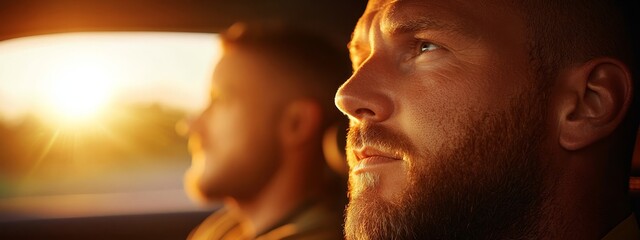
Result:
pixel 433 128
pixel 225 129
pixel 432 106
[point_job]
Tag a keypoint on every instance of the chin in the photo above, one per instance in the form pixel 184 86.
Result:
pixel 193 186
pixel 364 182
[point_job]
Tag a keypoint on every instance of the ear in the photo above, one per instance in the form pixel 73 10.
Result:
pixel 301 120
pixel 594 100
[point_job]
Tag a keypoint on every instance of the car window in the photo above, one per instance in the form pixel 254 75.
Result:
pixel 88 121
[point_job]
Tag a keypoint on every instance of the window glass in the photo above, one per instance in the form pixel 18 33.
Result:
pixel 88 121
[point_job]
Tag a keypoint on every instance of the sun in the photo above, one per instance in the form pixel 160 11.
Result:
pixel 78 90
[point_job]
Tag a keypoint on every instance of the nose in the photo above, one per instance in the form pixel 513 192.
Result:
pixel 185 126
pixel 189 125
pixel 365 96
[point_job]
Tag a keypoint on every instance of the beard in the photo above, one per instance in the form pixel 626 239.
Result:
pixel 236 173
pixel 486 184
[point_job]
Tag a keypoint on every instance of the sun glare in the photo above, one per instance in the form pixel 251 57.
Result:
pixel 78 90
pixel 72 78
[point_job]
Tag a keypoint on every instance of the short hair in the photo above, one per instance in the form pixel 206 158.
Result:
pixel 567 32
pixel 319 66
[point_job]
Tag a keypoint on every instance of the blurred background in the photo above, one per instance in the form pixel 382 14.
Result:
pixel 83 114
pixel 93 97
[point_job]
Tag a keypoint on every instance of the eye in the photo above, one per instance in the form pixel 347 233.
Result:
pixel 427 47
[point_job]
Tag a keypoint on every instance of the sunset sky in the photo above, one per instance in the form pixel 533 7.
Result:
pixel 74 75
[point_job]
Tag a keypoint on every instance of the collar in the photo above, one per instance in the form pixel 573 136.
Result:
pixel 627 229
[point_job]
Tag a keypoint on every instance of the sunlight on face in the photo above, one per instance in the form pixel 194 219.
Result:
pixel 78 90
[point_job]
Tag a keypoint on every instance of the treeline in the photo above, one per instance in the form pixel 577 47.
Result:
pixel 126 137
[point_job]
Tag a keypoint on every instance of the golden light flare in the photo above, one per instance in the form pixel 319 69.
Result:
pixel 89 106
pixel 78 90
pixel 75 76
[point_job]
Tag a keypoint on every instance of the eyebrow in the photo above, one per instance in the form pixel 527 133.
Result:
pixel 353 46
pixel 356 48
pixel 393 22
pixel 394 25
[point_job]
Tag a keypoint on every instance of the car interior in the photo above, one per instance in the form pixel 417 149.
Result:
pixel 43 197
pixel 119 195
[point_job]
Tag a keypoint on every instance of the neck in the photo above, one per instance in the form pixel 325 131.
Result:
pixel 588 199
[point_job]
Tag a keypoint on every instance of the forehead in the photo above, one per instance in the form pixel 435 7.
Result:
pixel 459 16
pixel 241 68
pixel 252 75
pixel 495 22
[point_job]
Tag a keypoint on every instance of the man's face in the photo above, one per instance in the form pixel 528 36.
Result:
pixel 446 122
pixel 234 141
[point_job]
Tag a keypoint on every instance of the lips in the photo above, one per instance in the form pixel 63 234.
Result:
pixel 370 159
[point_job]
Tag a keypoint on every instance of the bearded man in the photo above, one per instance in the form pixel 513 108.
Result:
pixel 258 146
pixel 491 120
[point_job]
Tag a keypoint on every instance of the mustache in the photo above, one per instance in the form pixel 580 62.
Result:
pixel 377 136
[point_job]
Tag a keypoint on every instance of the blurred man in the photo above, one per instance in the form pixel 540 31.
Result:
pixel 258 146
pixel 490 120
